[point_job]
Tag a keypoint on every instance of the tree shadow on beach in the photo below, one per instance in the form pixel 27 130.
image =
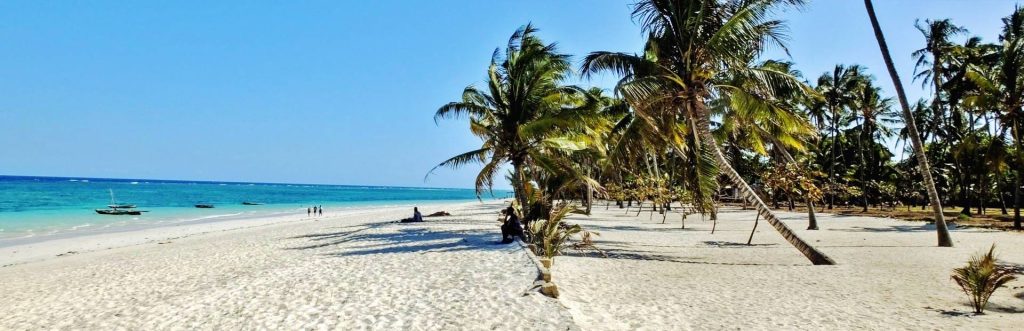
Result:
pixel 950 312
pixel 590 226
pixel 415 240
pixel 893 228
pixel 407 238
pixel 877 246
pixel 991 308
pixel 729 244
pixel 626 251
pixel 651 256
pixel 1004 308
pixel 326 239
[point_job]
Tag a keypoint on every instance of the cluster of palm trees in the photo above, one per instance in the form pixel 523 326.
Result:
pixel 698 111
pixel 969 128
pixel 972 124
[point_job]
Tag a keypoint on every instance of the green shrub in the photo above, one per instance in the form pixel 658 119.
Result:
pixel 551 236
pixel 981 277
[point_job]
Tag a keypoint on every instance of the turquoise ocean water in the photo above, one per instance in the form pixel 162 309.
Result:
pixel 36 207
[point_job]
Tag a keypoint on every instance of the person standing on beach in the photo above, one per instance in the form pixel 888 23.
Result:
pixel 321 210
pixel 308 211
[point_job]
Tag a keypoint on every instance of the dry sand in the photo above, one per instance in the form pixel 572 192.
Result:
pixel 358 270
pixel 351 270
pixel 890 275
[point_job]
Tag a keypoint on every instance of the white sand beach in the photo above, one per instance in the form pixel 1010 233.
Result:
pixel 352 270
pixel 358 270
pixel 890 275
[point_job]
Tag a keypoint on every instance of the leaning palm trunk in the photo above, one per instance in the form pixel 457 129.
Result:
pixel 703 130
pixel 922 159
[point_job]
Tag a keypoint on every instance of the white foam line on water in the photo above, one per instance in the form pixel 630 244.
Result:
pixel 80 226
pixel 183 220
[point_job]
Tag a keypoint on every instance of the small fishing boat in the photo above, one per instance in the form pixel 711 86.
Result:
pixel 118 208
pixel 247 203
pixel 204 205
pixel 116 211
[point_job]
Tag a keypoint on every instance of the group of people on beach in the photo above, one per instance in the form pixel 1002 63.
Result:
pixel 511 228
pixel 315 211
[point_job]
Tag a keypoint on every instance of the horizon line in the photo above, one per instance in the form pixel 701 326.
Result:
pixel 238 182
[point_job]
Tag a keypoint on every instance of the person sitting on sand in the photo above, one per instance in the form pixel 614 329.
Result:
pixel 511 228
pixel 416 216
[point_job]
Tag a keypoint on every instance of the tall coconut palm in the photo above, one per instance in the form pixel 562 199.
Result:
pixel 932 60
pixel 873 119
pixel 523 110
pixel 1004 86
pixel 699 42
pixel 915 138
pixel 837 90
pixel 652 128
pixel 1010 81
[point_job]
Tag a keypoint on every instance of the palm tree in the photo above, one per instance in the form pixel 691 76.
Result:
pixel 938 47
pixel 697 44
pixel 523 110
pixel 757 125
pixel 1011 78
pixel 873 117
pixel 647 130
pixel 915 138
pixel 837 91
pixel 1004 84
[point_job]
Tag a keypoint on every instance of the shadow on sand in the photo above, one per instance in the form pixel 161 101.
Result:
pixel 894 228
pixel 619 250
pixel 991 307
pixel 409 238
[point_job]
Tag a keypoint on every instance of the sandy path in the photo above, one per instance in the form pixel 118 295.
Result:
pixel 890 276
pixel 344 272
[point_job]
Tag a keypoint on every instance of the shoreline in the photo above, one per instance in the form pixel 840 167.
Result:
pixel 361 269
pixel 167 216
pixel 21 250
pixel 353 271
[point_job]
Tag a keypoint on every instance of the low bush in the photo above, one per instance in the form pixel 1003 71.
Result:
pixel 981 277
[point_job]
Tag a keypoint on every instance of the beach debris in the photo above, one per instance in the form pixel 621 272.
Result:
pixel 550 289
pixel 68 253
pixel 545 274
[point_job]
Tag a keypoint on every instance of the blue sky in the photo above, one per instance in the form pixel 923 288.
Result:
pixel 325 91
